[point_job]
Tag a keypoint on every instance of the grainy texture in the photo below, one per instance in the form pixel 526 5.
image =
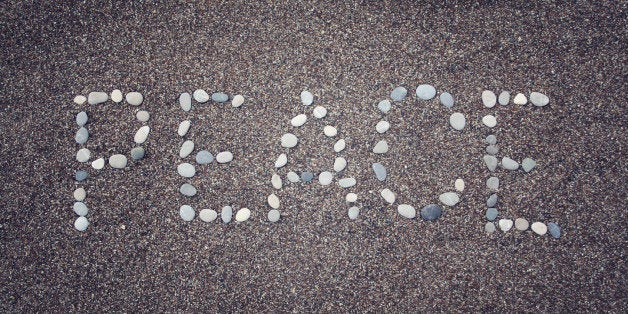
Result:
pixel 138 255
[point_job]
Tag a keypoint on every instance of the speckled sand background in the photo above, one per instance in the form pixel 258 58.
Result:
pixel 138 255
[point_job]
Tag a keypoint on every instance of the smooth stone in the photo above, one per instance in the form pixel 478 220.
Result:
pixel 491 201
pixel 81 118
pixel 346 182
pixel 325 178
pixel 384 105
pixel 220 97
pixel 388 195
pixel 381 147
pixel 142 116
pixel 307 176
pixel 492 150
pixel 399 93
pixel 134 98
pixel 80 175
pixel 340 164
pixel 117 161
pixel 299 120
pixel 520 99
pixel 138 153
pixel 504 98
pixel 83 155
pixel 491 139
pixel 82 135
pixel 489 227
pixel 340 145
pixel 200 96
pixel 449 198
pixel 142 134
pixel 528 164
pixel 95 98
pixel 539 99
pixel 489 120
pixel 237 101
pixel 554 230
pixel 382 126
pixel 425 91
pixel 224 157
pixel 489 99
pixel 353 212
pixel 208 215
pixel 204 157
pixel 293 177
pixel 330 131
pixel 380 171
pixel 351 197
pixel 509 164
pixel 243 214
pixel 186 212
pixel 276 181
pixel 273 201
pixel 81 223
pixel 307 98
pixel 457 121
pixel 79 194
pixel 289 140
pixel 186 170
pixel 539 228
pixel 80 208
pixel 459 185
pixel 273 215
pixel 226 214
pixel 492 183
pixel 186 149
pixel 491 162
pixel 491 213
pixel 187 189
pixel 281 161
pixel 521 224
pixel 80 99
pixel 185 101
pixel 319 112
pixel 447 100
pixel 98 163
pixel 184 127
pixel 406 210
pixel 431 212
pixel 505 224
pixel 116 96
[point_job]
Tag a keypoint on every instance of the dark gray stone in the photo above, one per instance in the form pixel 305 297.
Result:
pixel 307 176
pixel 431 212
pixel 80 175
pixel 491 214
pixel 138 153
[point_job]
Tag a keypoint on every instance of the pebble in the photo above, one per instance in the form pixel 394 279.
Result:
pixel 187 189
pixel 521 224
pixel 289 140
pixel 449 198
pixel 381 147
pixel 353 212
pixel 431 212
pixel 490 161
pixel 79 194
pixel 457 121
pixel 447 100
pixel 489 120
pixel 81 136
pixel 520 99
pixel 142 134
pixel 298 120
pixel 399 93
pixel 134 98
pixel 80 208
pixel 81 223
pixel 185 101
pixel 380 171
pixel 489 227
pixel 509 164
pixel 186 170
pixel 346 182
pixel 307 98
pixel 504 98
pixel 539 99
pixel 505 224
pixel 243 214
pixel 351 197
pixel 384 105
pixel 281 161
pixel 330 131
pixel 186 149
pixel 492 150
pixel 425 91
pixel 80 175
pixel 98 163
pixel 491 201
pixel 406 210
pixel 186 212
pixel 539 228
pixel 116 95
pixel 200 95
pixel 489 99
pixel 226 214
pixel 382 126
pixel 83 155
pixel 340 145
pixel 492 183
pixel 293 177
pixel 81 118
pixel 208 215
pixel 80 99
pixel 184 127
pixel 276 181
pixel 142 116
pixel 319 112
pixel 117 161
pixel 238 100
pixel 325 178
pixel 204 157
pixel 528 164
pixel 459 185
pixel 491 213
pixel 340 164
pixel 307 176
pixel 491 139
pixel 273 215
pixel 224 157
pixel 220 97
pixel 273 201
pixel 554 230
pixel 95 98
pixel 388 195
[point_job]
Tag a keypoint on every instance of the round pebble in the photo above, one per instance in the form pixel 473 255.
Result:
pixel 186 149
pixel 273 215
pixel 184 127
pixel 491 214
pixel 382 126
pixel 79 194
pixel 489 99
pixel 509 164
pixel 351 197
pixel 80 99
pixel 289 140
pixel 489 120
pixel 447 100
pixel 307 98
pixel 281 161
pixel 208 215
pixel 539 99
pixel 80 208
pixel 116 96
pixel 81 223
pixel 80 175
pixel 142 116
pixel 81 118
pixel 492 150
pixel 200 96
pixel 142 134
pixel 399 93
pixel 406 210
pixel 273 201
pixel 520 99
pixel 457 121
pixel 319 112
pixel 504 98
pixel 204 157
pixel 185 101
pixel 237 101
pixel 98 163
pixel 95 98
pixel 134 98
pixel 491 139
pixel 381 147
pixel 187 189
pixel 307 176
pixel 346 182
pixel 489 227
pixel 330 131
pixel 226 214
pixel 220 97
pixel 353 212
pixel 186 170
pixel 384 105
pixel 425 91
pixel 431 212
pixel 276 181
pixel 81 136
pixel 539 228
pixel 449 198
pixel 224 157
pixel 492 183
pixel 491 162
pixel 117 161
pixel 340 164
pixel 380 171
pixel 388 196
pixel 528 164
pixel 186 212
pixel 325 178
pixel 554 230
pixel 521 224
pixel 505 224
pixel 137 153
pixel 243 214
pixel 83 155
pixel 459 185
pixel 299 120
pixel 293 177
pixel 492 200
pixel 340 145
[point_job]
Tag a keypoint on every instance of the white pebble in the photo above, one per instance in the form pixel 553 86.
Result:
pixel 449 198
pixel 116 96
pixel 382 126
pixel 325 178
pixel 307 98
pixel 353 212
pixel 319 112
pixel 289 140
pixel 276 181
pixel 80 209
pixel 330 131
pixel 243 214
pixel 81 223
pixel 273 215
pixel 83 155
pixel 226 214
pixel 224 157
pixel 520 99
pixel 539 228
pixel 340 164
pixel 389 196
pixel 95 98
pixel 346 182
pixel 489 99
pixel 98 163
pixel 134 98
pixel 186 149
pixel 340 145
pixel 201 96
pixel 142 134
pixel 186 170
pixel 186 212
pixel 351 197
pixel 208 215
pixel 118 161
pixel 299 120
pixel 459 185
pixel 457 121
pixel 293 177
pixel 505 224
pixel 281 161
pixel 273 201
pixel 80 99
pixel 489 120
pixel 185 101
pixel 381 147
pixel 237 101
pixel 509 164
pixel 184 127
pixel 142 116
pixel 406 210
pixel 79 194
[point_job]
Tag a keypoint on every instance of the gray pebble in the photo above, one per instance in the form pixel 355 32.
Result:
pixel 380 171
pixel 399 93
pixel 347 182
pixel 492 150
pixel 539 99
pixel 81 118
pixel 509 164
pixel 293 177
pixel 492 200
pixel 489 227
pixel 504 98
pixel 491 139
pixel 307 176
pixel 187 189
pixel 187 213
pixel 226 214
pixel 80 175
pixel 447 100
pixel 491 162
pixel 491 214
pixel 273 215
pixel 554 230
pixel 138 153
pixel 528 164
pixel 489 99
pixel 492 183
pixel 353 212
pixel 431 212
pixel 80 208
pixel 95 98
pixel 81 136
pixel 425 91
pixel 204 157
pixel 384 105
pixel 220 97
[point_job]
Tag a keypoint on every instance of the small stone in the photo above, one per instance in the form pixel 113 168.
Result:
pixel 117 161
pixel 134 98
pixel 307 176
pixel 273 201
pixel 281 161
pixel 293 177
pixel 187 189
pixel 307 98
pixel 142 116
pixel 238 100
pixel 98 163
pixel 489 227
pixel 208 215
pixel 220 97
pixel 346 182
pixel 325 178
pixel 431 212
pixel 142 134
pixel 388 196
pixel 184 127
pixel 553 228
pixel 137 153
pixel 380 171
pixel 491 213
pixel 504 98
pixel 489 120
pixel 186 212
pixel 298 120
pixel 520 99
pixel 382 126
pixel 116 96
pixel 492 150
pixel 539 99
pixel 491 162
pixel 330 131
pixel 80 175
pixel 81 223
pixel 200 96
pixel 186 149
pixel 351 197
pixel 340 145
pixel 491 139
pixel 276 181
pixel 204 157
pixel 381 147
pixel 224 157
pixel 509 164
pixel 226 214
pixel 492 183
pixel 243 214
pixel 406 210
pixel 289 140
pixel 186 170
pixel 79 194
pixel 459 185
pixel 273 215
pixel 521 224
pixel 95 98
pixel 447 100
pixel 81 136
pixel 489 99
pixel 457 121
pixel 384 106
pixel 425 91
pixel 185 101
pixel 81 118
pixel 528 164
pixel 353 212
pixel 505 224
pixel 449 198
pixel 539 228
pixel 399 93
pixel 319 112
pixel 340 164
pixel 83 155
pixel 80 208
pixel 80 99
pixel 491 201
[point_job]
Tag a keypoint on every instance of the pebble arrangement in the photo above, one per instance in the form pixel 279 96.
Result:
pixel 116 161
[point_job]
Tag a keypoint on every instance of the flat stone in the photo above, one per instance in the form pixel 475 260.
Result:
pixel 330 131
pixel 381 147
pixel 491 139
pixel 307 176
pixel 185 101
pixel 346 182
pixel 187 189
pixel 299 120
pixel 382 126
pixel 79 194
pixel 520 99
pixel 431 212
pixel 539 99
pixel 226 214
pixel 186 149
pixel 243 214
pixel 81 223
pixel 399 93
pixel 489 120
pixel 81 118
pixel 492 183
pixel 142 116
pixel 95 98
pixel 80 175
pixel 80 208
pixel 388 195
pixel 457 121
pixel 509 164
pixel 539 228
pixel 98 163
pixel 521 224
pixel 281 161
pixel 83 155
pixel 505 224
pixel 82 135
pixel 325 178
pixel 224 157
pixel 118 161
pixel 490 161
pixel 116 96
pixel 491 213
pixel 186 170
pixel 134 98
pixel 293 177
pixel 491 201
pixel 406 210
pixel 200 96
pixel 528 164
pixel 142 134
pixel 340 164
pixel 273 201
pixel 184 127
pixel 384 105
pixel 273 215
pixel 353 212
pixel 492 150
pixel 340 145
pixel 204 157
pixel 459 185
pixel 425 91
pixel 504 98
pixel 489 227
pixel 553 228
pixel 447 100
pixel 276 181
pixel 380 171
pixel 307 98
pixel 80 99
pixel 237 101
pixel 449 198
pixel 208 215
pixel 489 99
pixel 319 112
pixel 187 213
pixel 289 140
pixel 220 97
pixel 351 197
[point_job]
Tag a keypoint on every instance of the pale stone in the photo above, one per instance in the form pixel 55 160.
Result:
pixel 307 98
pixel 289 140
pixel 142 116
pixel 281 161
pixel 186 149
pixel 187 213
pixel 520 99
pixel 95 98
pixel 142 134
pixel 208 215
pixel 186 170
pixel 325 178
pixel 293 177
pixel 459 185
pixel 457 121
pixel 243 214
pixel 382 126
pixel 226 214
pixel 224 157
pixel 276 181
pixel 505 224
pixel 330 131
pixel 298 120
pixel 489 120
pixel 521 224
pixel 98 163
pixel 389 196
pixel 449 198
pixel 134 98
pixel 80 194
pixel 489 99
pixel 185 101
pixel 319 112
pixel 81 223
pixel 351 197
pixel 273 215
pixel 406 210
pixel 353 212
pixel 347 182
pixel 116 96
pixel 539 99
pixel 340 145
pixel 528 164
pixel 80 99
pixel 118 161
pixel 539 228
pixel 184 127
pixel 509 164
pixel 237 101
pixel 83 155
pixel 201 96
pixel 273 201
pixel 340 164
pixel 381 147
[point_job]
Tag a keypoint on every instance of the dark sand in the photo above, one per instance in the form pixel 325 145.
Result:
pixel 138 255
